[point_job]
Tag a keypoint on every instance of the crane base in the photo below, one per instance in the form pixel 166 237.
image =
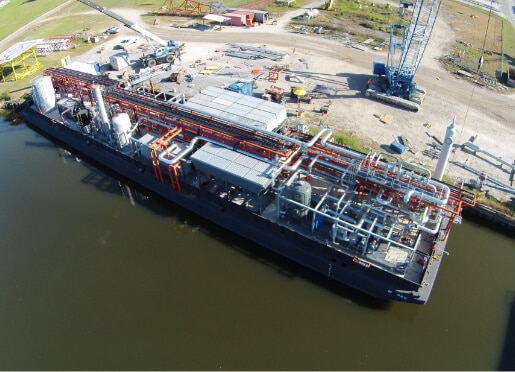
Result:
pixel 397 101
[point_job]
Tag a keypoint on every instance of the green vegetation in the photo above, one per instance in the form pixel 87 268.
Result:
pixel 506 207
pixel 344 140
pixel 360 19
pixel 17 13
pixel 5 96
pixel 478 33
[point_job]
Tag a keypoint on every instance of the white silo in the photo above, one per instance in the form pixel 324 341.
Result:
pixel 43 94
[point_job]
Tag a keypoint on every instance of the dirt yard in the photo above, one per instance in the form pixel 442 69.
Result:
pixel 482 114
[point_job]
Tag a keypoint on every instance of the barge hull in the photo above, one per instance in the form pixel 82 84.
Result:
pixel 339 266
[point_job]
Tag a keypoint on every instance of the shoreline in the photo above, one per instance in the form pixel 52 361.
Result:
pixel 334 63
pixel 495 220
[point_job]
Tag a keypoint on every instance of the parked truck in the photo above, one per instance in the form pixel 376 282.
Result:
pixel 163 52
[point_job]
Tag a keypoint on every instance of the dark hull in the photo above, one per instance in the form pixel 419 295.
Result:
pixel 279 239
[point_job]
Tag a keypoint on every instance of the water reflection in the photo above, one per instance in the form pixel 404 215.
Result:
pixel 507 360
pixel 96 275
pixel 159 206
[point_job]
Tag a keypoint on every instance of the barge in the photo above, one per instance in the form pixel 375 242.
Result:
pixel 379 226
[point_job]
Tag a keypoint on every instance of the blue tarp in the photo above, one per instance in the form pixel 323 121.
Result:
pixel 243 87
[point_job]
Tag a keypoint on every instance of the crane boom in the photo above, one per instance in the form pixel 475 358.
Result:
pixel 126 23
pixel 400 70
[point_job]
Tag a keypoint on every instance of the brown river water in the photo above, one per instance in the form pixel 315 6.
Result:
pixel 95 276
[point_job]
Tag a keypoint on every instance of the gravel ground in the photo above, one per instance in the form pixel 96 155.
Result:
pixel 481 113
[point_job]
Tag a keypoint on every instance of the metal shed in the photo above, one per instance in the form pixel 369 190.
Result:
pixel 260 16
pixel 237 19
pixel 239 107
pixel 216 18
pixel 233 167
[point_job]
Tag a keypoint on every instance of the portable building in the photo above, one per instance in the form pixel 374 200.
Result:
pixel 249 17
pixel 236 19
pixel 118 61
pixel 260 16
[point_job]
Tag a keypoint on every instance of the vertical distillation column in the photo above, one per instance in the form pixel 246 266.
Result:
pixel 443 158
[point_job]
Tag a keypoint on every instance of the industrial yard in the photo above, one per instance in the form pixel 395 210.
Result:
pixel 309 60
pixel 175 232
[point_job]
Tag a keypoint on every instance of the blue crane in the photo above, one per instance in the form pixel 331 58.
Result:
pixel 407 46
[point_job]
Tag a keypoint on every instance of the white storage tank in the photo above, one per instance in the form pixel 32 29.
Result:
pixel 121 126
pixel 43 94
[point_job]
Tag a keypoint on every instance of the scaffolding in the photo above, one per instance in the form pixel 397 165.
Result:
pixel 53 45
pixel 19 60
pixel 184 8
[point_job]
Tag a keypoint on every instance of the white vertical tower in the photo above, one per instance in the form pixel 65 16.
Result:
pixel 443 159
pixel 97 93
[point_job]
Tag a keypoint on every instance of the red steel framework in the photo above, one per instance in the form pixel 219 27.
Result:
pixel 171 124
pixel 186 8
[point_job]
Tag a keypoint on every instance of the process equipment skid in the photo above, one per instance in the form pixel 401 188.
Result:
pixel 379 227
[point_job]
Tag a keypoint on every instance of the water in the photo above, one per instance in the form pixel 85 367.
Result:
pixel 90 280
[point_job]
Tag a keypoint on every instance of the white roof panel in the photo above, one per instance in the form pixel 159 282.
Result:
pixel 216 18
pixel 17 49
pixel 239 169
pixel 239 107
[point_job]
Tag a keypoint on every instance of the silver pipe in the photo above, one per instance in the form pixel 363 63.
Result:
pixel 193 142
pixel 384 202
pixel 303 147
pixel 425 170
pixel 336 220
pixel 477 148
pixel 310 166
pixel 377 159
pixel 422 220
pixel 97 93
pixel 431 231
pixel 340 150
pixel 295 166
pixel 426 197
pixel 380 212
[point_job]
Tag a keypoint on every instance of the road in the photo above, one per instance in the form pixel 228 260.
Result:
pixel 481 113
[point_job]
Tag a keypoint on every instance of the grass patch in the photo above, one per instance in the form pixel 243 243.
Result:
pixel 5 96
pixel 344 140
pixel 18 13
pixel 360 20
pixel 478 33
pixel 506 207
